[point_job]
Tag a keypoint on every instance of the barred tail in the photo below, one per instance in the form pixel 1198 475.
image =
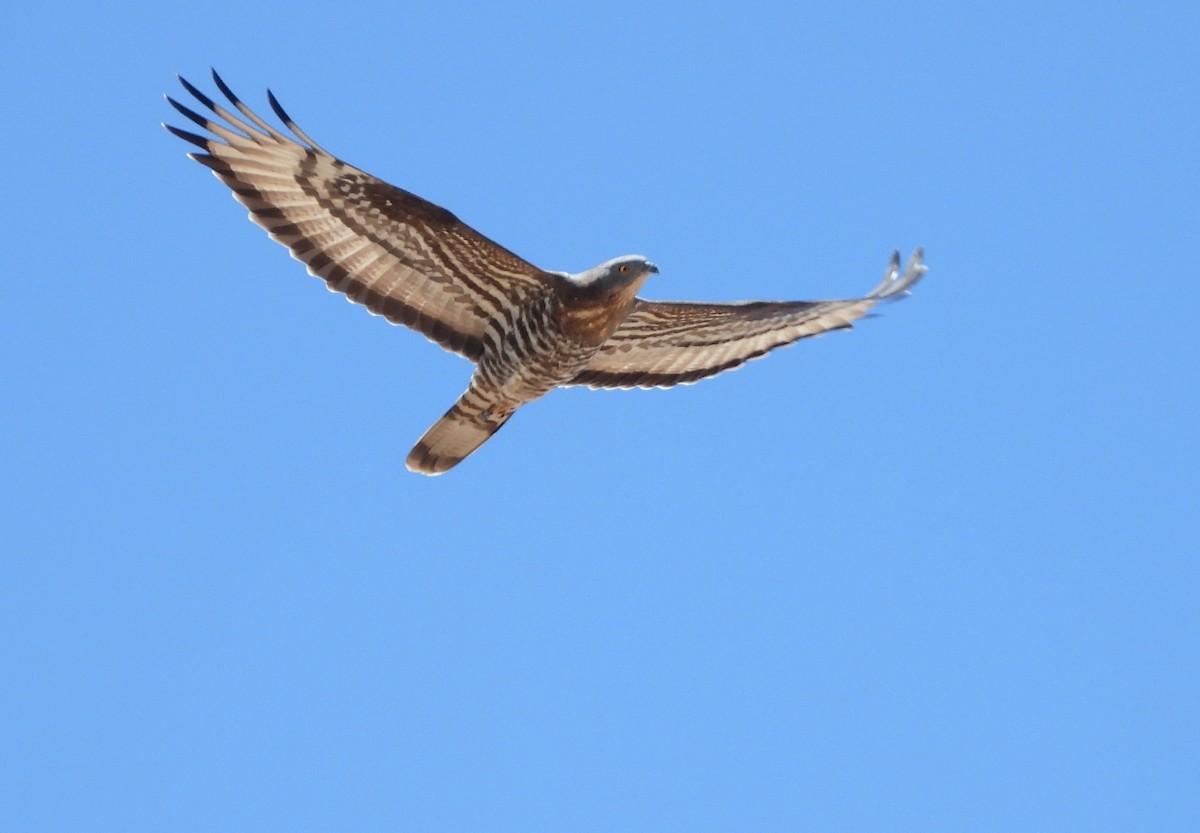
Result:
pixel 453 437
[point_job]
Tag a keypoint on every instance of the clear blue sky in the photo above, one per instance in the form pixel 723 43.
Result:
pixel 938 573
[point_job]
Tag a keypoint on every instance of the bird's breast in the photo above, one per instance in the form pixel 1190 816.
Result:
pixel 592 321
pixel 540 350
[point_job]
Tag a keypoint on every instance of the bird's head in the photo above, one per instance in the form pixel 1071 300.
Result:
pixel 618 273
pixel 599 298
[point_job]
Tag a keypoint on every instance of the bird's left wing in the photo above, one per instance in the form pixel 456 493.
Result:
pixel 400 256
pixel 666 343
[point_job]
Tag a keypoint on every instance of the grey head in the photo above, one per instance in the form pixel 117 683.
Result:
pixel 616 273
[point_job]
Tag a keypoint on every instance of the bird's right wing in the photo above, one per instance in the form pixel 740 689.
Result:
pixel 665 343
pixel 398 255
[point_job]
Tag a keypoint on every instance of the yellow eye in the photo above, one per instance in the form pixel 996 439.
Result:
pixel 624 267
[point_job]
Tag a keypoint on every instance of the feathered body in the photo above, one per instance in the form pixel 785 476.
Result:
pixel 528 330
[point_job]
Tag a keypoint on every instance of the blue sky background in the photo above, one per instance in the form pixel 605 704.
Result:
pixel 939 573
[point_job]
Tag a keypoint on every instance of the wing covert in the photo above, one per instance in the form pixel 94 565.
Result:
pixel 398 255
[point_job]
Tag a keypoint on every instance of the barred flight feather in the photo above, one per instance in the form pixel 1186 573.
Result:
pixel 398 255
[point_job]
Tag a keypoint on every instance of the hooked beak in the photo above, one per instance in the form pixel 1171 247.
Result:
pixel 651 269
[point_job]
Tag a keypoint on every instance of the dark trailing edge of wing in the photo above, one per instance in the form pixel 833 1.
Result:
pixel 658 379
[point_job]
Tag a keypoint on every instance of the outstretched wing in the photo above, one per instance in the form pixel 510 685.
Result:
pixel 661 344
pixel 396 254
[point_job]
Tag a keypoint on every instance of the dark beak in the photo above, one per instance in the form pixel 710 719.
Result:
pixel 651 269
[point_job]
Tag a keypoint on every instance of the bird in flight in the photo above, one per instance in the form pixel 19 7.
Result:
pixel 528 330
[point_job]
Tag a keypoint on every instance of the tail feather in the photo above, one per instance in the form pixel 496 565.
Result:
pixel 453 437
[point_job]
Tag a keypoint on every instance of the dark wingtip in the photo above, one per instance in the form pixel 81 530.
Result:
pixel 185 111
pixel 228 93
pixel 198 141
pixel 278 108
pixel 201 97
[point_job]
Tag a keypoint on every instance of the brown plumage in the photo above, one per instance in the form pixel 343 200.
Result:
pixel 528 330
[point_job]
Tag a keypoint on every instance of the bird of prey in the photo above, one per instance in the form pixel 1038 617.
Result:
pixel 528 330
